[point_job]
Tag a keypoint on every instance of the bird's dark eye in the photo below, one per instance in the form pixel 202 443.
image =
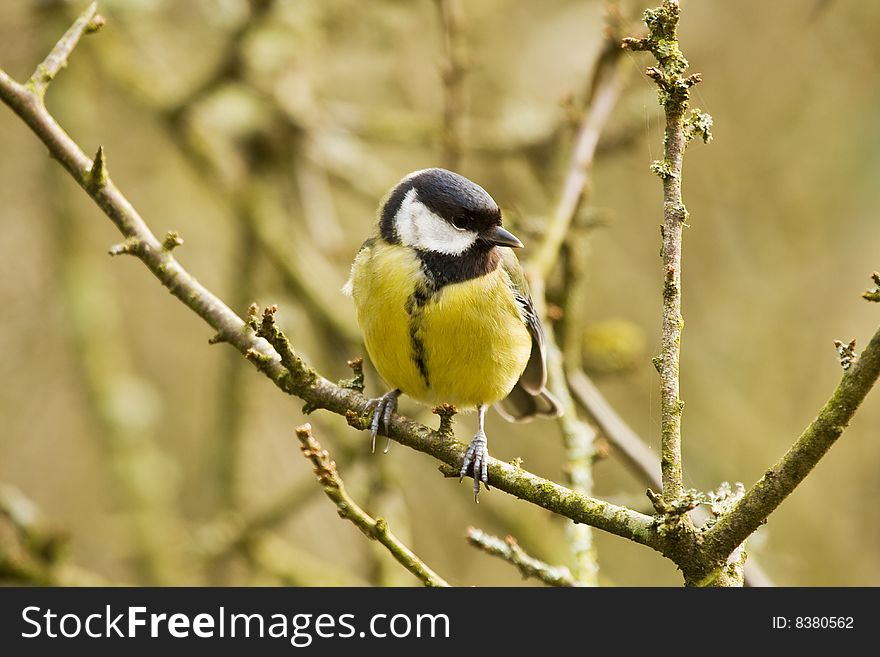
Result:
pixel 459 222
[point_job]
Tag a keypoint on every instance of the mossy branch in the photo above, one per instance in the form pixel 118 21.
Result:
pixel 662 42
pixel 783 477
pixel 373 528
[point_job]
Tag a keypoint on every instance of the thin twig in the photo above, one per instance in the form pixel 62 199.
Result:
pixel 375 529
pixel 89 21
pixel 454 68
pixel 31 551
pixel 509 550
pixel 662 42
pixel 234 531
pixel 873 293
pixel 605 88
pixel 108 381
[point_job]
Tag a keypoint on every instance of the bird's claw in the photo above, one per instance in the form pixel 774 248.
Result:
pixel 384 407
pixel 476 457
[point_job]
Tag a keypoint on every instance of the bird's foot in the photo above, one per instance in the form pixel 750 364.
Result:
pixel 477 457
pixel 384 407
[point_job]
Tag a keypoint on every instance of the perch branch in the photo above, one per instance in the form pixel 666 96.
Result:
pixel 375 529
pixel 509 550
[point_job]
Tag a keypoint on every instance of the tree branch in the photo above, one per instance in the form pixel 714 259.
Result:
pixel 782 478
pixel 375 529
pixel 509 550
pixel 662 42
pixel 89 21
pixel 636 454
pixel 605 89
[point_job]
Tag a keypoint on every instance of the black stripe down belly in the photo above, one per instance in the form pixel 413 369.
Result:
pixel 422 294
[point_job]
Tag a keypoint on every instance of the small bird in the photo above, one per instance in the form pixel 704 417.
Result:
pixel 445 310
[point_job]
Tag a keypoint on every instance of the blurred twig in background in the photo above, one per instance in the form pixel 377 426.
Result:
pixel 375 529
pixel 509 550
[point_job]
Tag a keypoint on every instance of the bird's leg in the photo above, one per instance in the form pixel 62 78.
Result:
pixel 477 455
pixel 384 407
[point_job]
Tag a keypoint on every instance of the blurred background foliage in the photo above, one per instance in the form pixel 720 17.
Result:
pixel 266 134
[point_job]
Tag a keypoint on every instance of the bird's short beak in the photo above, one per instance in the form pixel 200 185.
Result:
pixel 501 237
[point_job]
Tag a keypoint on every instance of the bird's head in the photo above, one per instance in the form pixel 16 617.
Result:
pixel 438 211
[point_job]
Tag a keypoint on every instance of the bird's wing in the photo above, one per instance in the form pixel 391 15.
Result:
pixel 534 377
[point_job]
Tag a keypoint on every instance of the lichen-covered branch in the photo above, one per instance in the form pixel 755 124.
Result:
pixel 783 477
pixel 375 529
pixel 662 42
pixel 509 550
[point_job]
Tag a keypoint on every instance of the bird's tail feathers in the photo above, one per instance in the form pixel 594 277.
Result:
pixel 523 406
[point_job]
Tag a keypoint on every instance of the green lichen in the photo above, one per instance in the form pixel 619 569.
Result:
pixel 662 168
pixel 698 124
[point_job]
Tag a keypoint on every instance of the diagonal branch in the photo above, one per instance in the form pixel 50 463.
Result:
pixel 89 21
pixel 509 550
pixel 636 454
pixel 375 529
pixel 782 478
pixel 605 89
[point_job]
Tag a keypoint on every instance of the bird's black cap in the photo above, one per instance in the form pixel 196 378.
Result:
pixel 449 195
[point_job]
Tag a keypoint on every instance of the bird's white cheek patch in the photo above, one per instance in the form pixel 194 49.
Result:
pixel 420 228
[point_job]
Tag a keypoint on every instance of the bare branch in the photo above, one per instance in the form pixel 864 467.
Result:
pixel 634 451
pixel 89 21
pixel 606 85
pixel 662 42
pixel 509 550
pixel 375 529
pixel 782 478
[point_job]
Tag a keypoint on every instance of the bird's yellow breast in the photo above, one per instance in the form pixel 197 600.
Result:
pixel 464 343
